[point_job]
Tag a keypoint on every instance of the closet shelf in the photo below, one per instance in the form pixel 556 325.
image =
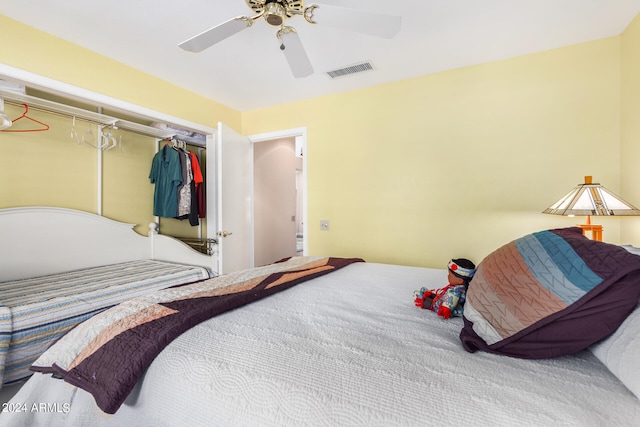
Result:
pixel 80 113
pixel 55 107
pixel 144 130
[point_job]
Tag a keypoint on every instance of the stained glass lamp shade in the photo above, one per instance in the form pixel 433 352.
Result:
pixel 591 199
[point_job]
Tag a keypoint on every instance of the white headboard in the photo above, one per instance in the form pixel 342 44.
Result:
pixel 40 240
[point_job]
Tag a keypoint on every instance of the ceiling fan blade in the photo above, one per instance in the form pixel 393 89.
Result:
pixel 295 54
pixel 216 34
pixel 374 24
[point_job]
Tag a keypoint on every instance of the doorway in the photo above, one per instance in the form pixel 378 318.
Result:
pixel 279 195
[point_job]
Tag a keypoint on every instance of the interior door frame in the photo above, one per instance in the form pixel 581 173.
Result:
pixel 301 134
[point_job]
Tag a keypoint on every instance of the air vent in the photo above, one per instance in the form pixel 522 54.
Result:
pixel 352 69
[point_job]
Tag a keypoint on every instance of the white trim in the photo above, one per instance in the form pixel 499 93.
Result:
pixel 99 171
pixel 286 133
pixel 292 133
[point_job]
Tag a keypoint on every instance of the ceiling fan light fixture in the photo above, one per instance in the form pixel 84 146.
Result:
pixel 274 14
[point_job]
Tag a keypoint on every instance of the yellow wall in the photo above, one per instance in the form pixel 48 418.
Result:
pixel 630 120
pixel 457 163
pixel 46 168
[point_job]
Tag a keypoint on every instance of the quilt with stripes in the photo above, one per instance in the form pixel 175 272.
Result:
pixel 35 312
pixel 549 294
pixel 107 354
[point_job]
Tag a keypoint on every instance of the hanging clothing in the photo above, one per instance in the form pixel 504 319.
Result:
pixel 199 193
pixel 184 191
pixel 192 215
pixel 166 174
pixel 187 198
pixel 197 172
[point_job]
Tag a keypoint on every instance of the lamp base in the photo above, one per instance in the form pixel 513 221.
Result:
pixel 596 231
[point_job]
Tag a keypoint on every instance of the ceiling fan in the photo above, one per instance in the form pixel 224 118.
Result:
pixel 277 12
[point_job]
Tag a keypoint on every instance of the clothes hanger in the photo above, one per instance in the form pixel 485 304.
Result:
pixel 5 122
pixel 43 126
pixel 110 141
pixel 89 138
pixel 180 145
pixel 74 132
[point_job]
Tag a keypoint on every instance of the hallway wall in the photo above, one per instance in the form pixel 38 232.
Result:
pixel 275 200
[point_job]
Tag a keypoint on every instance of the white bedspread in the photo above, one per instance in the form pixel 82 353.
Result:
pixel 349 348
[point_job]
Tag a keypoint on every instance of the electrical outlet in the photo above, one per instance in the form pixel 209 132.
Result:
pixel 324 225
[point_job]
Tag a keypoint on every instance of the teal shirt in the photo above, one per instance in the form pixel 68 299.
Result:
pixel 166 174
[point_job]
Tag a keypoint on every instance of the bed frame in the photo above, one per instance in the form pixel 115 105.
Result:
pixel 39 240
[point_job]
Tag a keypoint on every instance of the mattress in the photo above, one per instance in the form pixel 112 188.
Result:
pixel 348 348
pixel 35 312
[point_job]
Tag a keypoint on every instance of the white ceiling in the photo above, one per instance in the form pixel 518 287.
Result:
pixel 248 71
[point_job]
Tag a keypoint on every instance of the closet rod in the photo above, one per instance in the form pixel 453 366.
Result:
pixel 80 113
pixel 67 111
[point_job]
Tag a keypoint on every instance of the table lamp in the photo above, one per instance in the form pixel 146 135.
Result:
pixel 591 199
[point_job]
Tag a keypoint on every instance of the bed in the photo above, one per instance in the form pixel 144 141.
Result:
pixel 59 267
pixel 345 347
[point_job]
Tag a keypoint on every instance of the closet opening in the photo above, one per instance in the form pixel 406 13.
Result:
pixel 102 150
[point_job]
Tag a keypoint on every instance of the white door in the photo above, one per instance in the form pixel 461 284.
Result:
pixel 234 206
